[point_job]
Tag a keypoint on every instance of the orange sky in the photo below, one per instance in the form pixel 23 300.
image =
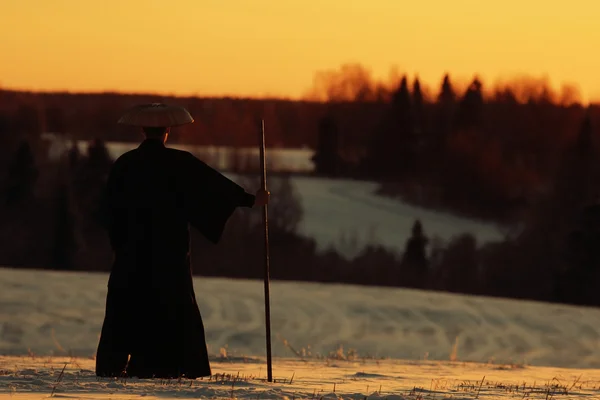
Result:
pixel 274 47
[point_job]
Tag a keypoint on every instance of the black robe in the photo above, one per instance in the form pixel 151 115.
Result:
pixel 152 326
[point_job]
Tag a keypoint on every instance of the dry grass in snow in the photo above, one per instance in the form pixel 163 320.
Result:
pixel 27 378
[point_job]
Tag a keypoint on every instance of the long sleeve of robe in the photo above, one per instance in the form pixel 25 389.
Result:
pixel 153 195
pixel 212 199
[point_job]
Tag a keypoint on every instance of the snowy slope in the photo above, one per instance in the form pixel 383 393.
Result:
pixel 336 207
pixel 61 313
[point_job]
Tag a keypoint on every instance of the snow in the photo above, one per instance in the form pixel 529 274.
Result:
pixel 28 378
pixel 393 340
pixel 337 207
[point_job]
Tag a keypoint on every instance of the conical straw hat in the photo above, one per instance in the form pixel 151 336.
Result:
pixel 156 115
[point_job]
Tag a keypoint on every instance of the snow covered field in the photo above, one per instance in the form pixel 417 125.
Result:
pixel 337 207
pixel 28 378
pixel 392 340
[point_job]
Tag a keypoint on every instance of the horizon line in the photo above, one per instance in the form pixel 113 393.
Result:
pixel 224 96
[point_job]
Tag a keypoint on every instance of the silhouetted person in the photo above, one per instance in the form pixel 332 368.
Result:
pixel 153 194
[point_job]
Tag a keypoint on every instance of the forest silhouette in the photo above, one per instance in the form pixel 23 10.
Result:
pixel 518 154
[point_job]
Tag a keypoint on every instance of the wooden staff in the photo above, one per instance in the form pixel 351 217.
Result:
pixel 263 167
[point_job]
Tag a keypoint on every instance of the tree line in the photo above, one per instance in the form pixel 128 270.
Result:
pixel 525 159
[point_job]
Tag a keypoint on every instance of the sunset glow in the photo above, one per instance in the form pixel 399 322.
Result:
pixel 267 47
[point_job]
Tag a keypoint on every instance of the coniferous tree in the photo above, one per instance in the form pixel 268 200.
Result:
pixel 404 151
pixel 441 128
pixel 326 157
pixel 65 244
pixel 446 103
pixel 392 149
pixel 90 179
pixel 418 108
pixel 576 196
pixel 470 110
pixel 22 175
pixel 447 94
pixel 6 141
pixel 459 268
pixel 547 236
pixel 420 130
pixel 583 261
pixel 98 159
pixel 414 265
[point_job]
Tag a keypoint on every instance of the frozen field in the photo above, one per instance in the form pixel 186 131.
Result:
pixel 337 207
pixel 48 315
pixel 33 378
